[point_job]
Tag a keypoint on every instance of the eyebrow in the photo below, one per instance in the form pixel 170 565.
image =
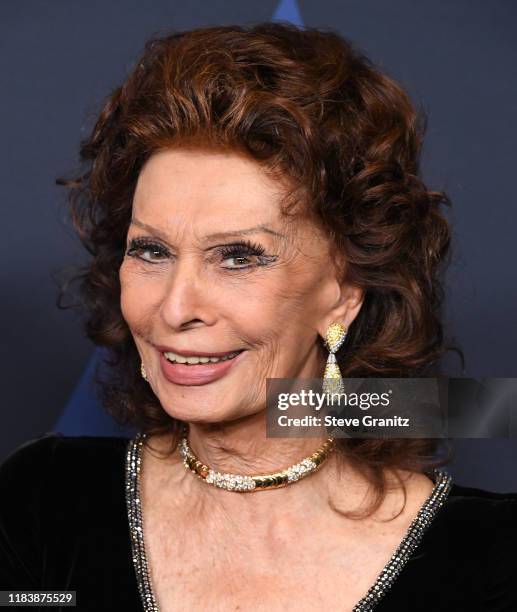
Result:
pixel 215 236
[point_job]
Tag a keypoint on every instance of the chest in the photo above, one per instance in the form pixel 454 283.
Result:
pixel 218 572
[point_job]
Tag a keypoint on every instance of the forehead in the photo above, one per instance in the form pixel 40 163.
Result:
pixel 205 187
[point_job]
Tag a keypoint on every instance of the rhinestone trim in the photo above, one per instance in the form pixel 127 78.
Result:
pixel 410 541
pixel 134 512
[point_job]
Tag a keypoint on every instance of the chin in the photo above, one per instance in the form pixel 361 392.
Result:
pixel 204 404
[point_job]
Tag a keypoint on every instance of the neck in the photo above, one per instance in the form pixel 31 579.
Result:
pixel 243 448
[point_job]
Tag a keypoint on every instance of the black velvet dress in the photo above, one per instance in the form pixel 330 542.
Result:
pixel 64 526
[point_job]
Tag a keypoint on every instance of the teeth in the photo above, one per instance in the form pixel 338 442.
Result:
pixel 175 358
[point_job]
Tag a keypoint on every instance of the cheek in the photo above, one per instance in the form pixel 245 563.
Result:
pixel 137 297
pixel 270 313
pixel 287 318
pixel 129 305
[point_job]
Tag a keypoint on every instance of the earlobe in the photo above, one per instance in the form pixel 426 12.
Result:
pixel 345 310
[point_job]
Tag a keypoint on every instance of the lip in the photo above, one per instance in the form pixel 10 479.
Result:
pixel 198 374
pixel 168 349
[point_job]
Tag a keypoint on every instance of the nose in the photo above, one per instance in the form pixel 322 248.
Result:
pixel 185 301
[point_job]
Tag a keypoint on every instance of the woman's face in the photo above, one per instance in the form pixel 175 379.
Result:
pixel 211 268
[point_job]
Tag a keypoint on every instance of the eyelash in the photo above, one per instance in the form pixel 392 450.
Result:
pixel 242 248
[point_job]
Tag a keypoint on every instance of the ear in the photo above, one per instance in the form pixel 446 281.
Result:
pixel 345 309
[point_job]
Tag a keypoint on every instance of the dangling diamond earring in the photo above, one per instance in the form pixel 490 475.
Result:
pixel 332 380
pixel 142 370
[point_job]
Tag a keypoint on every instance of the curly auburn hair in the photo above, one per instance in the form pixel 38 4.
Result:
pixel 308 107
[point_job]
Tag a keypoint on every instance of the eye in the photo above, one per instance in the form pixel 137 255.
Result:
pixel 241 255
pixel 147 250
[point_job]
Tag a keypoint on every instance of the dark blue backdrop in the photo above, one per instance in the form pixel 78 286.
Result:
pixel 58 60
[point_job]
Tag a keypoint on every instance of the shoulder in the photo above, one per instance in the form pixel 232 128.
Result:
pixel 465 560
pixel 51 488
pixel 469 503
pixel 474 535
pixel 486 518
pixel 54 453
pixel 55 469
pixel 471 511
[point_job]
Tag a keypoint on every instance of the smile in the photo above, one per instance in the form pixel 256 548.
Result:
pixel 195 360
pixel 198 369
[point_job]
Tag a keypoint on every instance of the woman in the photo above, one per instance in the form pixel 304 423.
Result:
pixel 252 203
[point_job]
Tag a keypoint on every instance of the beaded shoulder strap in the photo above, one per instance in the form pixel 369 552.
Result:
pixel 409 542
pixel 134 512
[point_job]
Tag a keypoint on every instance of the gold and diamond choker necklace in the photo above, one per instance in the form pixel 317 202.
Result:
pixel 260 482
